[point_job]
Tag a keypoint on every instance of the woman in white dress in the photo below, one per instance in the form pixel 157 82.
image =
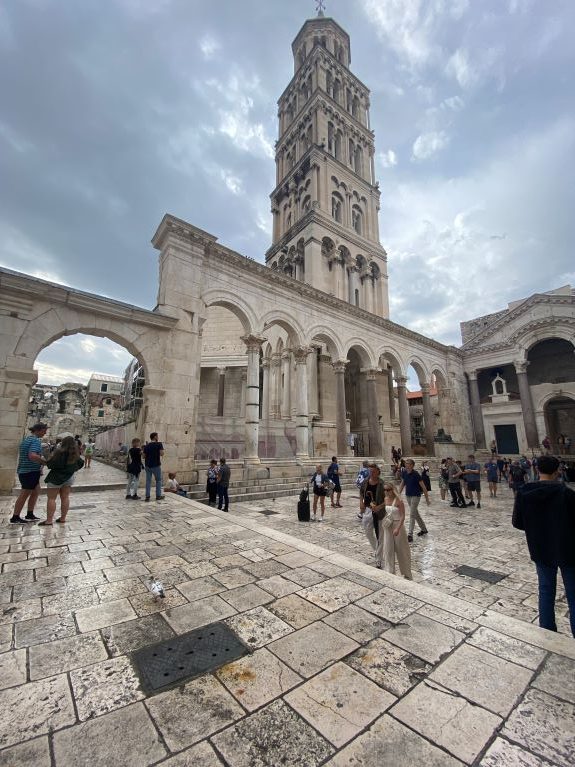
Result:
pixel 395 537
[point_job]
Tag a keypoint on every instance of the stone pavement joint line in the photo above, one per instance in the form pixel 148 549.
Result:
pixel 348 665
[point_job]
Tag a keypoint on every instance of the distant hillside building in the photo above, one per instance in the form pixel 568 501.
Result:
pixel 104 401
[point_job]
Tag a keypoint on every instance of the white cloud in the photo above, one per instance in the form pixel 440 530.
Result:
pixel 209 46
pixel 88 345
pixel 470 244
pixel 428 144
pixel 233 183
pixel 471 70
pixel 387 159
pixel 55 375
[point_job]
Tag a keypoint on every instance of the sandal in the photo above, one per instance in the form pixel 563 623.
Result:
pixel 44 524
pixel 62 521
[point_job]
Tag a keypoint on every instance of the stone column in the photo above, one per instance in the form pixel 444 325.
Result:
pixel 391 394
pixel 15 387
pixel 266 389
pixel 221 390
pixel 476 414
pixel 286 370
pixel 275 386
pixel 404 425
pixel 340 409
pixel 243 379
pixel 253 345
pixel 428 420
pixel 302 416
pixel 313 399
pixel 375 445
pixel 526 404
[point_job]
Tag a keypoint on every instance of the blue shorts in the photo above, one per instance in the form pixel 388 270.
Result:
pixel 30 479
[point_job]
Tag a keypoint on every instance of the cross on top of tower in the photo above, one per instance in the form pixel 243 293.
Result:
pixel 320 7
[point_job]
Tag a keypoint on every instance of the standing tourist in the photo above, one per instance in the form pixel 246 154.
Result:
pixel 373 508
pixel 493 447
pixel 88 453
pixel 453 475
pixel 133 469
pixel 546 443
pixel 414 487
pixel 319 481
pixel 473 480
pixel 223 483
pixel 153 452
pixel 443 479
pixel 517 476
pixel 394 456
pixel 546 511
pixel 362 475
pixel 30 462
pixel 500 467
pixel 333 475
pixel 492 472
pixel 212 482
pixel 425 475
pixel 63 464
pixel 395 543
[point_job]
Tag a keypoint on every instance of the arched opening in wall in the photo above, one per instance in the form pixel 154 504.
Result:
pixel 279 392
pixel 559 414
pixel 391 369
pixel 416 377
pixel 357 401
pixel 220 431
pixel 551 361
pixel 337 207
pixel 90 386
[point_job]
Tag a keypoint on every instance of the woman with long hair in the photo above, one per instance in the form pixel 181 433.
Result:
pixel 394 536
pixel 63 464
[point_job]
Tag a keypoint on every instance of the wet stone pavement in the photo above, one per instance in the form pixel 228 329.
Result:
pixel 347 664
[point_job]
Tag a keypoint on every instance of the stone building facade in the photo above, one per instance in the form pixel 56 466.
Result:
pixel 104 399
pixel 521 368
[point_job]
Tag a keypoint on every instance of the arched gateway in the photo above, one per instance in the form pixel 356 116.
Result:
pixel 275 311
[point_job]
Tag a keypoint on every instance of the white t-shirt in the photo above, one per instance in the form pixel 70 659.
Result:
pixel 173 484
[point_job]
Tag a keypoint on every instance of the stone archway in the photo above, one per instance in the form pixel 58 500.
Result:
pixel 559 414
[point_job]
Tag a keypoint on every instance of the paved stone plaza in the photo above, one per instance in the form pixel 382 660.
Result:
pixel 350 666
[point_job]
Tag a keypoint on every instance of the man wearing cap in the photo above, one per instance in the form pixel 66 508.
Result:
pixel 30 462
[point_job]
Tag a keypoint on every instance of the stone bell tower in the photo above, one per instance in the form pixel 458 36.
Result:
pixel 326 201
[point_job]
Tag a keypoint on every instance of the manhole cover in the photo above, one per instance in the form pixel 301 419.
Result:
pixel 481 575
pixel 267 512
pixel 179 659
pixel 85 506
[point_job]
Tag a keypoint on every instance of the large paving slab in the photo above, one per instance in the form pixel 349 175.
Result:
pixel 349 665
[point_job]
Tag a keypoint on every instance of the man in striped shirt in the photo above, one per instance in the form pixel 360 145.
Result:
pixel 30 462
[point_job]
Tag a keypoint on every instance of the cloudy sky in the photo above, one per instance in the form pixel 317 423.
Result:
pixel 114 112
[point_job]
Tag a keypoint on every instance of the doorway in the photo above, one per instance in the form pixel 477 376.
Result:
pixel 506 439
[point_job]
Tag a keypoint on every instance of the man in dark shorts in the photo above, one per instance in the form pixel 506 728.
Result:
pixel 223 484
pixel 153 452
pixel 333 474
pixel 30 462
pixel 473 478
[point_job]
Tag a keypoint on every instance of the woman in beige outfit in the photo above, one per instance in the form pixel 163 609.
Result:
pixel 395 538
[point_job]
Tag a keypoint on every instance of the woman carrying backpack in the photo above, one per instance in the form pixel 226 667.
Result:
pixel 63 464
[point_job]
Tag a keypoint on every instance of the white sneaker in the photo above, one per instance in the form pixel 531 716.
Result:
pixel 314 518
pixel 320 519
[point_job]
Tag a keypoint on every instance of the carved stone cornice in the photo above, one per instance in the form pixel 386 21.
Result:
pixel 506 319
pixel 36 289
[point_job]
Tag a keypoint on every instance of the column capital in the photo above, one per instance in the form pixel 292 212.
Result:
pixel 301 354
pixel 425 387
pixel 520 366
pixel 221 369
pixel 401 380
pixel 370 373
pixel 472 374
pixel 253 343
pixel 286 354
pixel 266 362
pixel 339 366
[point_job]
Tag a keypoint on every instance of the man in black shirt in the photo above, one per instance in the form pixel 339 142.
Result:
pixel 153 452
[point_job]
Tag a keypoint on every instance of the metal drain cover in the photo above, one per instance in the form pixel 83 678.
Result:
pixel 184 657
pixel 481 575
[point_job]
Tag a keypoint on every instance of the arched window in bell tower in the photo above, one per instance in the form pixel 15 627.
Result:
pixel 337 145
pixel 336 207
pixel 357 219
pixel 329 84
pixel 336 90
pixel 358 160
pixel 330 137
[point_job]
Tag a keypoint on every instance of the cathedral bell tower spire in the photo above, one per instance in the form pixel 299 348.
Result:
pixel 326 201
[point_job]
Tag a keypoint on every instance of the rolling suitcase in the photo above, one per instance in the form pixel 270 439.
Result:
pixel 303 506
